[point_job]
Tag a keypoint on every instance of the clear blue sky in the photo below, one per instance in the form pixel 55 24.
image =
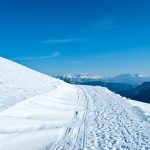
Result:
pixel 94 36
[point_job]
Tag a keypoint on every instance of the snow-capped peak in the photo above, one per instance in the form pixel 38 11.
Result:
pixel 78 78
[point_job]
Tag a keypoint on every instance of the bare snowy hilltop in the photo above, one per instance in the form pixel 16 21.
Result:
pixel 38 112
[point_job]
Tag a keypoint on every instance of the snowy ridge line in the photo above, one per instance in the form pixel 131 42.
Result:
pixel 55 115
pixel 4 107
pixel 18 83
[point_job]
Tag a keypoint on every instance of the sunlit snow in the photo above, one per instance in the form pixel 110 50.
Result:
pixel 39 112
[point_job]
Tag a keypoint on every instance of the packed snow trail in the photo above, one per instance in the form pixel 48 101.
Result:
pixel 38 112
pixel 108 122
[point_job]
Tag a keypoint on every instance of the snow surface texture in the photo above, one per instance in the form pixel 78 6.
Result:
pixel 65 117
pixel 145 107
pixel 18 83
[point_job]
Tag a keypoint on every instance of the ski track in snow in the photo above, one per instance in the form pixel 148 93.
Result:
pixel 107 123
pixel 99 120
pixel 38 112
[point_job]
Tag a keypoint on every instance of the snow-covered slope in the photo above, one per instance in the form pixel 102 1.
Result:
pixel 40 121
pixel 145 107
pixel 18 83
pixel 61 116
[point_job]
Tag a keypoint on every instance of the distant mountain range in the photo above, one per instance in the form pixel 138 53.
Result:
pixel 134 86
pixel 134 79
pixel 78 78
pixel 39 112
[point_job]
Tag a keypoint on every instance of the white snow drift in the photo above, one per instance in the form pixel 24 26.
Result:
pixel 18 83
pixel 43 113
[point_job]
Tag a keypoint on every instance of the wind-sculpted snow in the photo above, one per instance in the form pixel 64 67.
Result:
pixel 39 121
pixel 42 113
pixel 18 83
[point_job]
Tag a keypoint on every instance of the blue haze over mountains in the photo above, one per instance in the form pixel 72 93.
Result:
pixel 133 86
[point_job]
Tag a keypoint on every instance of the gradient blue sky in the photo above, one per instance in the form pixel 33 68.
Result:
pixel 105 37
